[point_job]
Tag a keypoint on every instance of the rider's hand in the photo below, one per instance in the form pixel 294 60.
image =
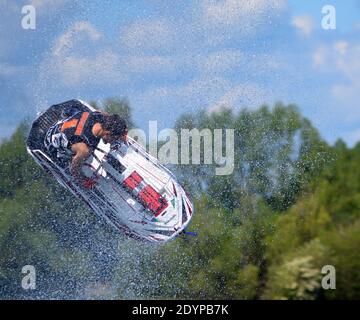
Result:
pixel 89 183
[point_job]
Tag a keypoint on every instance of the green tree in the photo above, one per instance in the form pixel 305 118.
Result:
pixel 277 154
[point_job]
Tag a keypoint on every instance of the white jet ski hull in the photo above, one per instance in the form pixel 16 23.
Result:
pixel 134 192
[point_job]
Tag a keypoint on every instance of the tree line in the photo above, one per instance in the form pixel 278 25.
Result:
pixel 290 207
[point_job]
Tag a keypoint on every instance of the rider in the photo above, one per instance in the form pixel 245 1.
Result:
pixel 78 135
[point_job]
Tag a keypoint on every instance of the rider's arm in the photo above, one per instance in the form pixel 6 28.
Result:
pixel 82 152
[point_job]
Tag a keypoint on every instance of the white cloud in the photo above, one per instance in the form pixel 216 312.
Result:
pixel 319 56
pixel 341 47
pixel 149 64
pixel 234 11
pixel 102 68
pixel 66 41
pixel 78 59
pixel 203 89
pixel 211 93
pixel 341 60
pixel 199 92
pixel 228 16
pixel 204 23
pixel 82 56
pixel 146 34
pixel 222 61
pixel 349 63
pixel 304 24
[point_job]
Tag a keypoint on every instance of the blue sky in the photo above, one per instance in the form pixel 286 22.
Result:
pixel 172 57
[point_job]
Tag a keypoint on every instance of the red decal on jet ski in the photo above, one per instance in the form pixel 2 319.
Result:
pixel 153 200
pixel 133 180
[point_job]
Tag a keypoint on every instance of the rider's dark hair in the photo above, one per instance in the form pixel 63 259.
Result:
pixel 115 124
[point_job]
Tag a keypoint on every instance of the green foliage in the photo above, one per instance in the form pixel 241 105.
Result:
pixel 298 275
pixel 39 224
pixel 344 255
pixel 224 262
pixel 305 221
pixel 317 232
pixel 340 187
pixel 13 156
pixel 277 154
